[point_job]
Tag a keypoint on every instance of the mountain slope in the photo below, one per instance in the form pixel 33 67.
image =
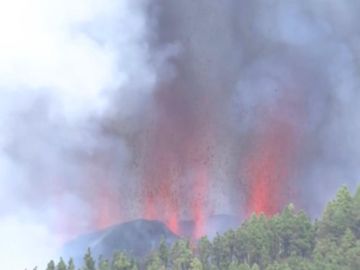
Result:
pixel 136 238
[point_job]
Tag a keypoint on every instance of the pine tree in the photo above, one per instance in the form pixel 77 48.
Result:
pixel 254 241
pixel 294 234
pixel 244 266
pixel 279 266
pixel 223 249
pixel 355 213
pixel 205 250
pixel 89 263
pixel 122 262
pixel 51 265
pixel 71 265
pixel 196 264
pixel 103 264
pixel 181 255
pixel 237 266
pixel 164 252
pixel 337 216
pixel 61 265
pixel 155 263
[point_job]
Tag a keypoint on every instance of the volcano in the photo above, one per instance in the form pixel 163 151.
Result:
pixel 137 238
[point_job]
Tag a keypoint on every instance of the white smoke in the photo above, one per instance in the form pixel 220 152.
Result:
pixel 59 62
pixel 25 242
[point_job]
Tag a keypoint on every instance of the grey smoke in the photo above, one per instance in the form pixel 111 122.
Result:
pixel 245 56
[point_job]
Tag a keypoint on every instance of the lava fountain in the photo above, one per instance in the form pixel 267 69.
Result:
pixel 269 166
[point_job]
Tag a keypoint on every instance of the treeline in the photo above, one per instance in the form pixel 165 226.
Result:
pixel 288 240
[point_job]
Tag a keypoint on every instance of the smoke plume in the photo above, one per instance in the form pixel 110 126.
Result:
pixel 171 110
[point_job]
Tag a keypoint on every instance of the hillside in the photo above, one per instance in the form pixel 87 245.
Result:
pixel 288 240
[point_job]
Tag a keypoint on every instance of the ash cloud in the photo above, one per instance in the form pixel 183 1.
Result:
pixel 108 105
pixel 241 60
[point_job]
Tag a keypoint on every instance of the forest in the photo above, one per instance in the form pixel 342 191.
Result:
pixel 289 240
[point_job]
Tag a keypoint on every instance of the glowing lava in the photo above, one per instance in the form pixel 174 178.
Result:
pixel 199 202
pixel 269 168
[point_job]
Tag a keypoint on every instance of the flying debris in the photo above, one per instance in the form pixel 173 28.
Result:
pixel 171 112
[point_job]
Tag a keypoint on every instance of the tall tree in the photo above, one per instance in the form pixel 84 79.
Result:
pixel 61 265
pixel 204 250
pixel 294 234
pixel 155 263
pixel 355 213
pixel 181 255
pixel 337 216
pixel 223 249
pixel 71 265
pixel 237 266
pixel 89 262
pixel 103 264
pixel 196 264
pixel 51 265
pixel 122 262
pixel 254 241
pixel 164 252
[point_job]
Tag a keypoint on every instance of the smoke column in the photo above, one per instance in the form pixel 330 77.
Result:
pixel 115 110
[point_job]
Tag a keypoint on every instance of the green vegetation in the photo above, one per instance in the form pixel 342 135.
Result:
pixel 286 241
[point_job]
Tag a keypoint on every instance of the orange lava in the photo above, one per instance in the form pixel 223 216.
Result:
pixel 198 204
pixel 268 168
